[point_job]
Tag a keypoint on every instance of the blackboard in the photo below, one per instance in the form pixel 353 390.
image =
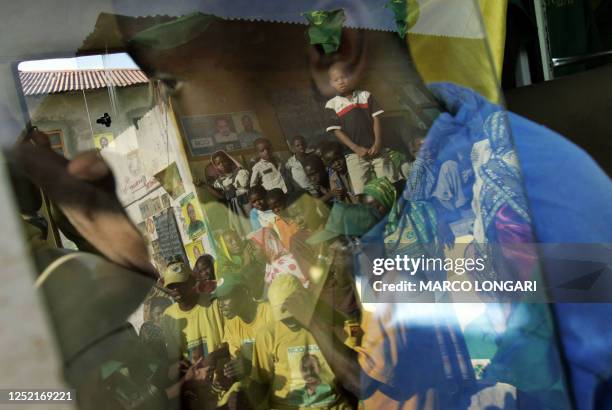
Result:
pixel 169 237
pixel 299 112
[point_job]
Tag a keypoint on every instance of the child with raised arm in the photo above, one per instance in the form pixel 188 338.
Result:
pixel 354 120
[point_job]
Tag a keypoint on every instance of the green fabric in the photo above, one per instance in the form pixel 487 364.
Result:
pixel 325 28
pixel 406 14
pixel 382 190
pixel 345 219
pixel 227 284
pixel 110 367
pixel 411 229
pixel 174 33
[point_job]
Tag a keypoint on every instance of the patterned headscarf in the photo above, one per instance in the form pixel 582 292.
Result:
pixel 382 190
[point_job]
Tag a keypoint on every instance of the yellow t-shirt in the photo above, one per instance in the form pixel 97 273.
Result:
pixel 291 363
pixel 194 333
pixel 240 336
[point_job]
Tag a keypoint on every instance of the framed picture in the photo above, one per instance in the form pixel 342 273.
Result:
pixel 56 139
pixel 206 134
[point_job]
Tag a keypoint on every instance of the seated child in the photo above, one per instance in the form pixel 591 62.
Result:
pixel 339 179
pixel 284 227
pixel 314 168
pixel 260 215
pixel 354 121
pixel 267 171
pixel 295 164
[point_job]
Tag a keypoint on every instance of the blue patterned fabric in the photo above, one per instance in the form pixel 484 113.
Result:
pixel 532 184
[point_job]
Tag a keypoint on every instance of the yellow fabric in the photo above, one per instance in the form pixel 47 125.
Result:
pixel 472 62
pixel 193 333
pixel 276 363
pixel 240 336
pixel 280 289
pixel 378 355
pixel 176 273
pixel 494 18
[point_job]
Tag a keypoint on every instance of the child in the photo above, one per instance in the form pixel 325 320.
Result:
pixel 204 272
pixel 339 180
pixel 295 165
pixel 279 260
pixel 284 227
pixel 314 168
pixel 232 185
pixel 267 171
pixel 260 215
pixel 354 121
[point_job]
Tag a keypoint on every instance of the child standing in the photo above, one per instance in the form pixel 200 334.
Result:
pixel 232 184
pixel 295 165
pixel 354 121
pixel 268 171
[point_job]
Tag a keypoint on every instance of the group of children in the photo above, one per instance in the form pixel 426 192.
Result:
pixel 336 171
pixel 263 196
pixel 288 227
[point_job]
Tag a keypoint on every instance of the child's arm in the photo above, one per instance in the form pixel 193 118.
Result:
pixel 213 190
pixel 254 176
pixel 375 111
pixel 357 149
pixel 375 149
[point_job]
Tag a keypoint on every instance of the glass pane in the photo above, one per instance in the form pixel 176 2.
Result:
pixel 286 204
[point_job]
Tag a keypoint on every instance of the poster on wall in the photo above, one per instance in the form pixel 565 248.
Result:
pixel 206 134
pixel 103 140
pixel 192 215
pixel 169 237
pixel 165 201
pixel 151 230
pixel 124 159
pixel 194 250
pixel 170 179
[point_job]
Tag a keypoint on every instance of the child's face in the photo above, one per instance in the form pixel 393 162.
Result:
pixel 156 314
pixel 223 164
pixel 335 161
pixel 276 205
pixel 204 272
pixel 264 150
pixel 339 80
pixel 233 242
pixel 314 176
pixel 230 305
pixel 299 146
pixel 257 201
pixel 371 202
